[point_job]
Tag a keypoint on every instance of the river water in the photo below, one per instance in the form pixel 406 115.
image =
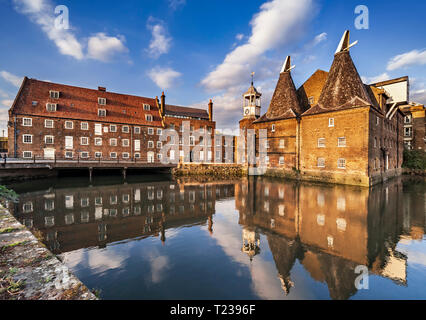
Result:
pixel 152 237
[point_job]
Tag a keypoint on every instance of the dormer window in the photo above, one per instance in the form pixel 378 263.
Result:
pixel 101 112
pixel 273 128
pixel 146 107
pixel 102 101
pixel 148 117
pixel 51 107
pixel 54 94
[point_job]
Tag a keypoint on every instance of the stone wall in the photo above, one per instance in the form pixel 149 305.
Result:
pixel 214 170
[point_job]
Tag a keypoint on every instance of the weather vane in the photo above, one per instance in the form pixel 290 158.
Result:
pixel 252 75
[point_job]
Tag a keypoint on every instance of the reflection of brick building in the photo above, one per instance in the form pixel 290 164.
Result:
pixel 414 126
pixel 333 128
pixel 49 120
pixel 332 229
pixel 81 217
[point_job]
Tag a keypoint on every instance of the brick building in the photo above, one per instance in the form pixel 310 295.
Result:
pixel 414 126
pixel 334 128
pixel 49 120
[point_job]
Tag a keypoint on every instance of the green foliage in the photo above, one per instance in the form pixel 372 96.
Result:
pixel 414 159
pixel 8 195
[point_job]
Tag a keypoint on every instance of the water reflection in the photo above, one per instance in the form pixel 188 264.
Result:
pixel 313 234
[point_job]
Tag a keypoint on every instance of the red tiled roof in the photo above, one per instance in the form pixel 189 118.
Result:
pixel 82 104
pixel 186 112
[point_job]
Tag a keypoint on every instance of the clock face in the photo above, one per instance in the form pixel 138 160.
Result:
pixel 246 112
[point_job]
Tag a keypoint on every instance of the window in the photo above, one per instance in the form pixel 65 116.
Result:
pixel 113 142
pixel 267 146
pixel 137 145
pixel 102 101
pixel 375 142
pixel 341 142
pixel 209 129
pixel 159 156
pixel 191 140
pixel 341 164
pixel 311 100
pixel 27 138
pixel 282 144
pixel 84 141
pixel 125 142
pixel 84 155
pixel 54 94
pixel 69 125
pixel 84 126
pixel 137 130
pixel 407 132
pixel 159 144
pixel 151 131
pixel 273 128
pixel 146 107
pixel 321 143
pixel 125 129
pixel 27 122
pixel 98 129
pixel 51 107
pixel 98 155
pixel 331 122
pixel 281 160
pixel 49 139
pixel 27 154
pixel 377 121
pixel 68 154
pixel 407 119
pixel 321 163
pixel 34 103
pixel 113 128
pixel 159 132
pixel 101 112
pixel 113 155
pixel 150 144
pixel 148 117
pixel 98 141
pixel 137 155
pixel 48 123
pixel 125 155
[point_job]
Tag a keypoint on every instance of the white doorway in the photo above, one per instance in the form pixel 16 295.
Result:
pixel 49 153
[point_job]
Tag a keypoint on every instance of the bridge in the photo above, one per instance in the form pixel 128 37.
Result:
pixel 18 167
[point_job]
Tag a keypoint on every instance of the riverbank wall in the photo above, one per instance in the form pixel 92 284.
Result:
pixel 29 271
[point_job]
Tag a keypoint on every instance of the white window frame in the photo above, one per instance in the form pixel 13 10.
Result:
pixel 46 137
pixel 321 162
pixel 54 94
pixel 30 122
pixel 273 128
pixel 98 144
pixel 84 126
pixel 102 101
pixel 51 107
pixel 137 155
pixel 24 152
pixel 159 144
pixel 27 135
pixel 125 143
pixel 86 139
pixel 150 144
pixel 102 112
pixel 341 142
pixel 321 145
pixel 113 142
pixel 111 155
pixel 148 117
pixel 83 153
pixel 339 162
pixel 72 125
pixel 111 126
pixel 137 130
pixel 67 156
pixel 98 154
pixel 283 161
pixel 146 107
pixel 159 132
pixel 150 131
pixel 123 129
pixel 125 155
pixel 47 121
pixel 330 122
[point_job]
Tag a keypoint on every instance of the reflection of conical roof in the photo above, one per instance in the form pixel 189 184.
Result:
pixel 344 88
pixel 285 103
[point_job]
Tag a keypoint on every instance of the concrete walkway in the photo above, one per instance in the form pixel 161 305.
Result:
pixel 29 271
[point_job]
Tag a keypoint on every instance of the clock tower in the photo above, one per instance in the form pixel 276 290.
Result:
pixel 252 102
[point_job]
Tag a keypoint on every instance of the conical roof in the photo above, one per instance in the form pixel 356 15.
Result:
pixel 344 88
pixel 285 103
pixel 252 90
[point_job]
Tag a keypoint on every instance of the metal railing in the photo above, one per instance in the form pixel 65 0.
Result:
pixel 77 160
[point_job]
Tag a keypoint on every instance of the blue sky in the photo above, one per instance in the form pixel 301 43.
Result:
pixel 196 50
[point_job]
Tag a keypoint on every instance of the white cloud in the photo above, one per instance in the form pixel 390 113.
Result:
pixel 41 12
pixel 160 42
pixel 7 103
pixel 11 78
pixel 104 48
pixel 239 36
pixel 414 57
pixel 382 77
pixel 319 38
pixel 277 23
pixel 164 77
pixel 175 4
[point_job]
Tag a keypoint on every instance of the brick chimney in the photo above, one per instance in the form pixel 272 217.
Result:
pixel 102 89
pixel 211 110
pixel 163 103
